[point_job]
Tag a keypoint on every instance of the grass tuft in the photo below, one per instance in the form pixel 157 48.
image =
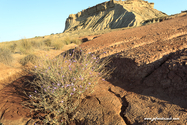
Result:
pixel 25 46
pixel 29 58
pixel 61 83
pixel 68 40
pixel 47 42
pixel 6 56
pixel 76 41
pixel 13 47
pixel 58 45
pixel 37 45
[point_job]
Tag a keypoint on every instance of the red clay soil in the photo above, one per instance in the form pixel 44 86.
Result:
pixel 151 62
pixel 150 79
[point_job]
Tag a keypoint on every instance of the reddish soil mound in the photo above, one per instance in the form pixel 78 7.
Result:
pixel 151 62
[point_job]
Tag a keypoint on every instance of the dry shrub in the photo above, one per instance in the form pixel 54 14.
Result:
pixel 62 82
pixel 47 42
pixel 76 41
pixel 6 56
pixel 37 45
pixel 29 58
pixel 58 44
pixel 25 46
pixel 69 40
pixel 13 47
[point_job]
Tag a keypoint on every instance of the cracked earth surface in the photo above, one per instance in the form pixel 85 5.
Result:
pixel 150 79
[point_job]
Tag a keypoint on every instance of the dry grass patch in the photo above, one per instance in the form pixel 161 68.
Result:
pixel 6 56
pixel 58 44
pixel 68 40
pixel 37 44
pixel 29 58
pixel 13 47
pixel 76 41
pixel 25 46
pixel 47 42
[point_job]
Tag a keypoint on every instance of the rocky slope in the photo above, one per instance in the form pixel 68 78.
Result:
pixel 113 14
pixel 151 69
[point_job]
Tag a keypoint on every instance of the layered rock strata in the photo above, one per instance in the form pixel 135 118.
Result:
pixel 112 14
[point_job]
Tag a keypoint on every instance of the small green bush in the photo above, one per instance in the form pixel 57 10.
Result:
pixel 47 42
pixel 29 58
pixel 60 83
pixel 6 56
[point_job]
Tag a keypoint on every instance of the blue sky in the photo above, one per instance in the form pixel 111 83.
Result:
pixel 29 18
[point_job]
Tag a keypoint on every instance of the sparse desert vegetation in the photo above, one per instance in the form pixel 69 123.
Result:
pixel 13 47
pixel 58 44
pixel 47 42
pixel 56 41
pixel 60 88
pixel 61 82
pixel 25 46
pixel 37 44
pixel 63 77
pixel 6 56
pixel 29 58
pixel 29 46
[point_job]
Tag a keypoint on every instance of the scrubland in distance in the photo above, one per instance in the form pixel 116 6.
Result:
pixel 60 83
pixel 29 46
pixel 57 41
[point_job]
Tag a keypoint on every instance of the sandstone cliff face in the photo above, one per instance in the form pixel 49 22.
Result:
pixel 112 14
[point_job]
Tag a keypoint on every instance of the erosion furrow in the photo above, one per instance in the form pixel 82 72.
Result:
pixel 135 43
pixel 145 59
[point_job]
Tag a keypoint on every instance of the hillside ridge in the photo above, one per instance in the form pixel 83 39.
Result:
pixel 112 14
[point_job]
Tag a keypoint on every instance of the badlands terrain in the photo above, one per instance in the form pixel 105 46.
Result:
pixel 150 79
pixel 113 14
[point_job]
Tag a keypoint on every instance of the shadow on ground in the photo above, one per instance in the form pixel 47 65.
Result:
pixel 165 78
